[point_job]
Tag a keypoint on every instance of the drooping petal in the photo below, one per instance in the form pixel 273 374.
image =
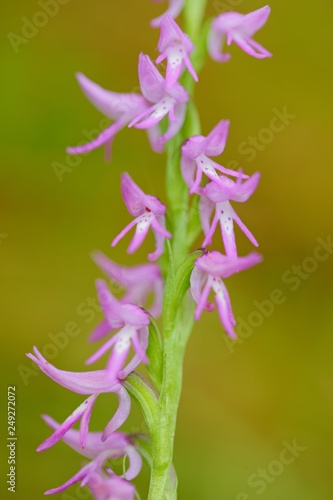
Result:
pixel 200 288
pixel 133 196
pixel 245 230
pixel 136 200
pixel 114 487
pixel 175 124
pixel 225 214
pixel 240 28
pixel 206 208
pixel 116 443
pixel 151 81
pixel 114 105
pixel 224 189
pixel 160 234
pixel 80 382
pixel 79 476
pixel 68 423
pixel 143 335
pixel 216 140
pixel 104 138
pixel 219 265
pixel 143 224
pixel 224 308
pixel 154 134
pixel 121 414
pixel 135 463
pixel 188 166
pixel 101 330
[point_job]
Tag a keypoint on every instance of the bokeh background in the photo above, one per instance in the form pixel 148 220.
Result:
pixel 241 403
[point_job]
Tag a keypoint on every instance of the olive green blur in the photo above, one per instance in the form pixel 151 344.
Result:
pixel 243 404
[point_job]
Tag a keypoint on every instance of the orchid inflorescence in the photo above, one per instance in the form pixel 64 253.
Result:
pixel 165 109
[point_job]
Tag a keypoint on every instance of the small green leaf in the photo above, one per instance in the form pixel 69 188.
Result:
pixel 155 355
pixel 143 395
pixel 181 284
pixel 182 280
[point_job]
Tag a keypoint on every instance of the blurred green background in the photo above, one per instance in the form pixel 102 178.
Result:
pixel 241 403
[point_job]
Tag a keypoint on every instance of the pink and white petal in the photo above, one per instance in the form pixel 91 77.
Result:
pixel 158 112
pixel 154 134
pixel 104 138
pixel 206 208
pixel 174 68
pixel 190 68
pixel 79 476
pixel 176 125
pixel 103 349
pixel 216 41
pixel 136 360
pixel 151 81
pixel 158 224
pixel 143 224
pixel 67 424
pixel 121 414
pixel 118 356
pixel 159 241
pixel 203 301
pixel 154 205
pixel 110 268
pixel 84 424
pixel 194 147
pixel 255 20
pixel 245 230
pixel 172 34
pixel 79 382
pixel 100 331
pixel 196 185
pixel 133 196
pixel 137 344
pixel 135 463
pixel 134 315
pixel 111 104
pixel 124 232
pixel 243 191
pixel 225 313
pixel 197 280
pixel 217 138
pixel 188 168
pixel 233 173
pixel 225 214
pixel 251 48
pixel 110 305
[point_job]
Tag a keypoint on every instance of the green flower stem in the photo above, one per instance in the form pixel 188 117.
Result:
pixel 177 309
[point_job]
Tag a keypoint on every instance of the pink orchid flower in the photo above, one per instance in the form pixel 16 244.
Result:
pixel 207 275
pixel 238 28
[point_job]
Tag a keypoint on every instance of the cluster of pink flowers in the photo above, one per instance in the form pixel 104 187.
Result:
pixel 127 319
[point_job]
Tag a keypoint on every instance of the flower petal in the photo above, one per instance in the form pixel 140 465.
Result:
pixel 121 414
pixel 112 104
pixel 151 81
